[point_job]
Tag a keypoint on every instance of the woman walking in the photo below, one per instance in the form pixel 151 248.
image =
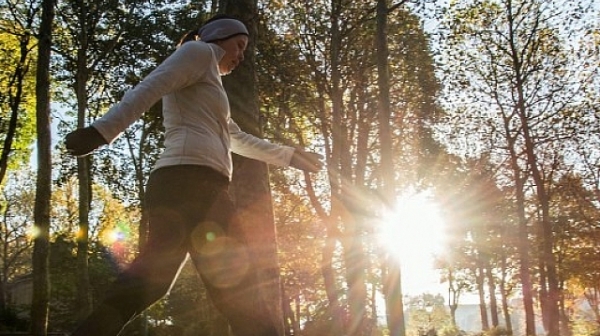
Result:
pixel 187 200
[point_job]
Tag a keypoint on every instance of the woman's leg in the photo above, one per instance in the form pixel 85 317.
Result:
pixel 149 277
pixel 145 281
pixel 220 254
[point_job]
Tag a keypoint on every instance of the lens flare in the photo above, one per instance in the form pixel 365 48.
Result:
pixel 414 232
pixel 224 262
pixel 204 233
pixel 34 232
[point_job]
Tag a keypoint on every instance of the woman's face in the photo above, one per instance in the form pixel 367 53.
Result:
pixel 234 53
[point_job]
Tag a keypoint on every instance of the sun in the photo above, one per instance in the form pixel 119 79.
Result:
pixel 414 234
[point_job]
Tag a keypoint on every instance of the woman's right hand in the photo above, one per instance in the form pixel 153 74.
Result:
pixel 306 161
pixel 83 141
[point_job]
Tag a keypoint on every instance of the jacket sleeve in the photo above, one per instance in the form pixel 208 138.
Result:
pixel 186 65
pixel 256 148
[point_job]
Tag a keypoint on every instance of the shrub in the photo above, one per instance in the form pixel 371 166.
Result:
pixel 497 331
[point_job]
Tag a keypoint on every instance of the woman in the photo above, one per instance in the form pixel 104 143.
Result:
pixel 186 197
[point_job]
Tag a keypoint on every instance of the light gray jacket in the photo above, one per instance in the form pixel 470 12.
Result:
pixel 197 120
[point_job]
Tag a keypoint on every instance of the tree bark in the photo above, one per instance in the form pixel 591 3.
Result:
pixel 551 313
pixel 523 244
pixel 393 280
pixel 493 300
pixel 355 261
pixel 84 301
pixel 523 230
pixel 479 278
pixel 453 296
pixel 504 296
pixel 253 200
pixel 41 248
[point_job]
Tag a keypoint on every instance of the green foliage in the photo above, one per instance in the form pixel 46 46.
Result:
pixel 126 41
pixel 508 70
pixel 16 217
pixel 451 330
pixel 497 331
pixel 17 85
pixel 63 275
pixel 425 312
pixel 585 327
pixel 295 59
pixel 576 230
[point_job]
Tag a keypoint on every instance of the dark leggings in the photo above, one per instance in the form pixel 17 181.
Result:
pixel 189 211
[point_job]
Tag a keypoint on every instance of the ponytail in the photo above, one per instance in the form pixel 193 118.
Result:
pixel 191 35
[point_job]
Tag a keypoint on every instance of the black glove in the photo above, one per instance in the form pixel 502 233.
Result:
pixel 83 141
pixel 307 161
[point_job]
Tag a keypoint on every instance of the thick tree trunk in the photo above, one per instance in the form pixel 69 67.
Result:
pixel 41 285
pixel 393 282
pixel 253 200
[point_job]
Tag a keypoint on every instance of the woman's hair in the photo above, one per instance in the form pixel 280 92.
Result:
pixel 193 34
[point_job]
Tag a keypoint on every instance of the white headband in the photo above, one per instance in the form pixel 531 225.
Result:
pixel 221 29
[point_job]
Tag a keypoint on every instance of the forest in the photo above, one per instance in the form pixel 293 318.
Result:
pixel 488 111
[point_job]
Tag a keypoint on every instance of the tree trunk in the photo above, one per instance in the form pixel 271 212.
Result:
pixel 138 160
pixel 551 313
pixel 253 200
pixel 479 278
pixel 341 181
pixel 84 301
pixel 41 248
pixel 393 281
pixel 504 297
pixel 83 292
pixel 565 322
pixel 523 234
pixel 524 266
pixel 334 307
pixel 543 287
pixel 355 261
pixel 453 296
pixel 493 300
